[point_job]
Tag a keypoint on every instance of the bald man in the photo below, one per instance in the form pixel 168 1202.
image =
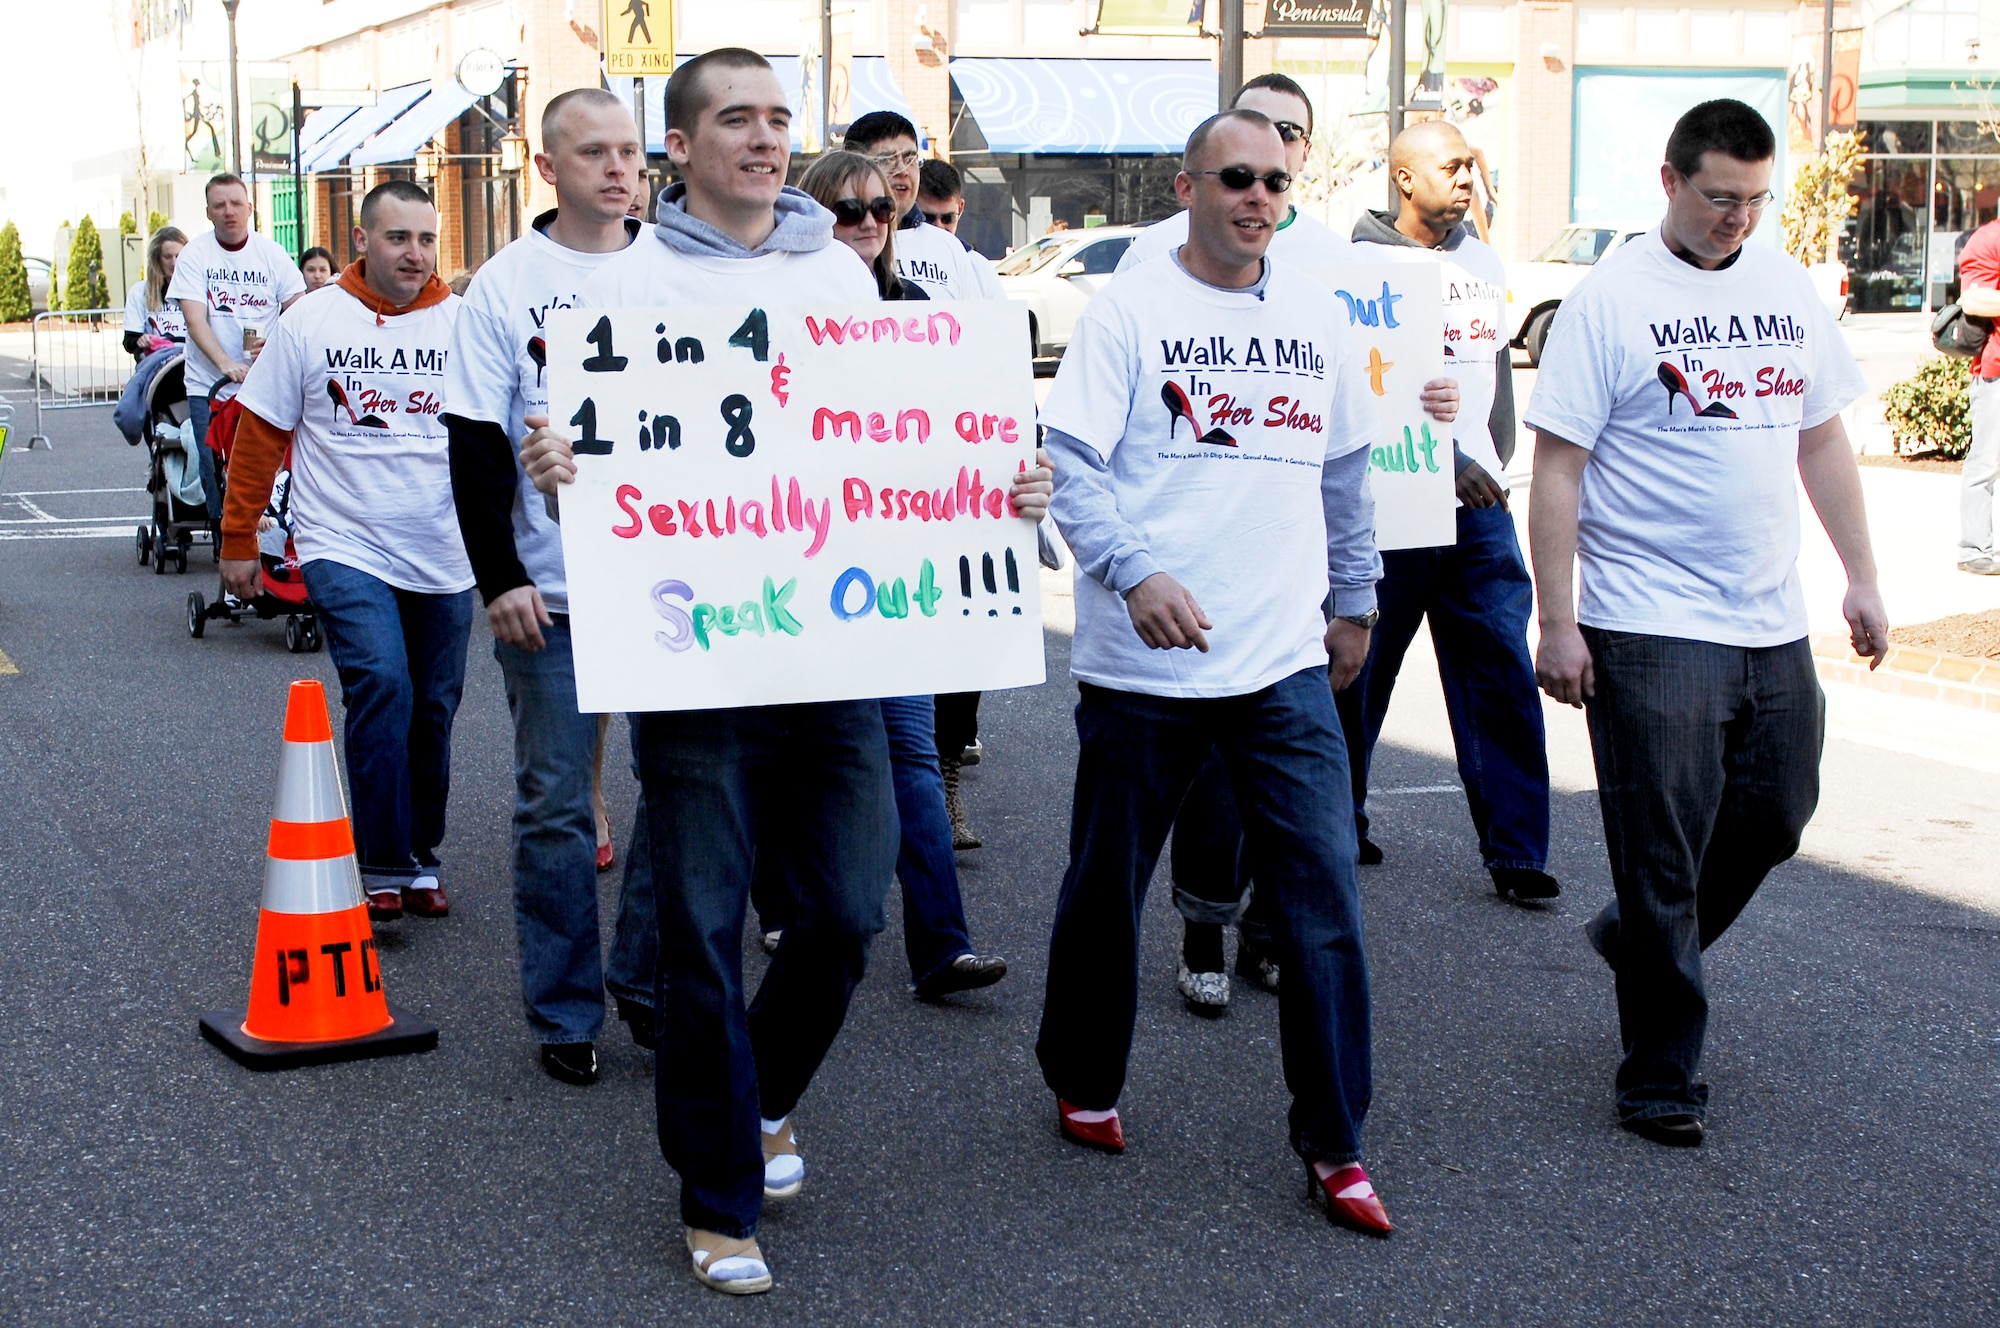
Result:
pixel 1475 592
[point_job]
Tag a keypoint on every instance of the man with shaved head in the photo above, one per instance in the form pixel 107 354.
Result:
pixel 1476 592
pixel 1204 558
pixel 496 380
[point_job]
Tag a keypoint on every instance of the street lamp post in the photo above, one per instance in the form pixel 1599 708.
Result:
pixel 235 102
pixel 1229 69
pixel 1826 76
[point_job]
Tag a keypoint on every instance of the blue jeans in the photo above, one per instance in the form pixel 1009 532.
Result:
pixel 1478 597
pixel 555 840
pixel 1137 757
pixel 401 657
pixel 1707 771
pixel 934 931
pixel 810 783
pixel 205 455
pixel 635 940
pixel 1211 870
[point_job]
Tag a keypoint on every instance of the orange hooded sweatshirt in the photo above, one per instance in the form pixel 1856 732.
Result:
pixel 261 447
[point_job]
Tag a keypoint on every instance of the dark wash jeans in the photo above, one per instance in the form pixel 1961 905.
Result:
pixel 934 930
pixel 1210 866
pixel 1478 597
pixel 1137 757
pixel 1707 772
pixel 401 657
pixel 808 782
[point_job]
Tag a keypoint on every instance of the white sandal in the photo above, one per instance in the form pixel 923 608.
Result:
pixel 722 1263
pixel 784 1169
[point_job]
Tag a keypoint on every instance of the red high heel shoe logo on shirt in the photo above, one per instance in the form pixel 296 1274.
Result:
pixel 1180 408
pixel 1677 386
pixel 538 351
pixel 340 401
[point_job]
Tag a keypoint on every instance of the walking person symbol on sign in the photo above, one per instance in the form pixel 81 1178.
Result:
pixel 638 9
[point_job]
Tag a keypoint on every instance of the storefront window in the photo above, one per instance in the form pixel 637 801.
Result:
pixel 1966 197
pixel 1884 244
pixel 1894 137
pixel 1962 136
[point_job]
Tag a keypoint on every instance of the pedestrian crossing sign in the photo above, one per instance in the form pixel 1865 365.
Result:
pixel 639 38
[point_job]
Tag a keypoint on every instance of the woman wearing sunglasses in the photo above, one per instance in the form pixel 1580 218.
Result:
pixel 851 187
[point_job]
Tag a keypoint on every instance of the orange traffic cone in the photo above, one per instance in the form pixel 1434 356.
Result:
pixel 316 984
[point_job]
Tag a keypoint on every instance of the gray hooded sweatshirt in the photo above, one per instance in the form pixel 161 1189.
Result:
pixel 803 227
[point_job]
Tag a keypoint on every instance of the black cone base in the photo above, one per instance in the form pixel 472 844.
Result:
pixel 403 1036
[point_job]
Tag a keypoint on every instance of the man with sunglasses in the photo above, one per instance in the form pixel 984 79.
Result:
pixel 1689 385
pixel 1298 238
pixel 941 195
pixel 925 254
pixel 1205 557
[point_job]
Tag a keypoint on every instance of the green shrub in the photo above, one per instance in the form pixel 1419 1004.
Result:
pixel 1929 413
pixel 14 303
pixel 81 288
pixel 156 221
pixel 127 226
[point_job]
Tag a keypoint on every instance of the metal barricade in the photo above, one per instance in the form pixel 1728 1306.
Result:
pixel 79 360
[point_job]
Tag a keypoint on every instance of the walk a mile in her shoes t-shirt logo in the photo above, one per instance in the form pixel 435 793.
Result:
pixel 1284 411
pixel 1709 363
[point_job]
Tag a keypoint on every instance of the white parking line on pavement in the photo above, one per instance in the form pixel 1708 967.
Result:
pixel 39 530
pixel 1414 788
pixel 50 493
pixel 39 514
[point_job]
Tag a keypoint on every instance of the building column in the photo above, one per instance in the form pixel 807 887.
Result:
pixel 562 52
pixel 1535 199
pixel 924 76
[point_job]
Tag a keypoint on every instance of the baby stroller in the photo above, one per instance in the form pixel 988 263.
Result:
pixel 284 584
pixel 158 412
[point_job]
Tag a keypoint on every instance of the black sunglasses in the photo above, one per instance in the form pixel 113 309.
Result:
pixel 1240 178
pixel 1291 133
pixel 940 218
pixel 850 211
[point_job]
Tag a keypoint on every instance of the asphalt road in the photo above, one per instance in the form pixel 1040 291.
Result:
pixel 1851 1174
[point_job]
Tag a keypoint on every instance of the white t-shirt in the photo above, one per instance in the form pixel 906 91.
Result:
pixel 932 257
pixel 1475 292
pixel 165 321
pixel 650 273
pixel 363 399
pixel 239 286
pixel 497 374
pixel 1689 388
pixel 1301 242
pixel 1238 519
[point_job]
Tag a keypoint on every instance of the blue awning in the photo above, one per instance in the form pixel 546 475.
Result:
pixel 1097 105
pixel 416 126
pixel 350 132
pixel 875 89
pixel 323 121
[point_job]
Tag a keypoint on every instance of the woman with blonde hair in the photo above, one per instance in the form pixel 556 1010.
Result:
pixel 151 319
pixel 851 187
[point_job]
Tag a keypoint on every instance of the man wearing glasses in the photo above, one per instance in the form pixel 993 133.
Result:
pixel 1204 558
pixel 925 255
pixel 1685 383
pixel 1298 239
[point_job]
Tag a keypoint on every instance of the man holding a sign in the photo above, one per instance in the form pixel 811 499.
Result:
pixel 742 479
pixel 1205 557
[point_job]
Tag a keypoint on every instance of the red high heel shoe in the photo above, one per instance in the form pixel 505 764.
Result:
pixel 1350 1199
pixel 1107 1135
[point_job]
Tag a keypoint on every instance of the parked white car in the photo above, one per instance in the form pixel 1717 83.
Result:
pixel 1535 289
pixel 1056 276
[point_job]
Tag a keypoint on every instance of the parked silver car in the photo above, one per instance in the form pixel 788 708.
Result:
pixel 39 273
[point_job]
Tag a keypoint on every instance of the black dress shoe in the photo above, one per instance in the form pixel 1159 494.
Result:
pixel 965 973
pixel 1371 853
pixel 1680 1129
pixel 1524 883
pixel 639 1019
pixel 571 1062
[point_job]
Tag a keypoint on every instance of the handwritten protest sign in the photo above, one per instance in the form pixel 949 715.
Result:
pixel 1395 316
pixel 795 504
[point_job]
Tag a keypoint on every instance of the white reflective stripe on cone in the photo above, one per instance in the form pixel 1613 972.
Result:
pixel 322 885
pixel 309 784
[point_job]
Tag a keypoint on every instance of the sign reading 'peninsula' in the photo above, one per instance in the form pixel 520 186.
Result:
pixel 1315 18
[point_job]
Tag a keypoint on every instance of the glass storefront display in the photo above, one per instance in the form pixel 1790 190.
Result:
pixel 1899 259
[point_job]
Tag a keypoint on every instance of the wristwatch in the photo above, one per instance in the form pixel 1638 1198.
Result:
pixel 1365 621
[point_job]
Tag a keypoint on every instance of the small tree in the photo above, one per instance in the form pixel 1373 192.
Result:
pixel 1929 413
pixel 84 286
pixel 156 221
pixel 15 306
pixel 127 226
pixel 1819 201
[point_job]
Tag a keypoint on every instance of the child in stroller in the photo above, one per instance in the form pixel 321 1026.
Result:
pixel 283 584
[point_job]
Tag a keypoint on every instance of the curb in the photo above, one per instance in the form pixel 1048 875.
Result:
pixel 1914 672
